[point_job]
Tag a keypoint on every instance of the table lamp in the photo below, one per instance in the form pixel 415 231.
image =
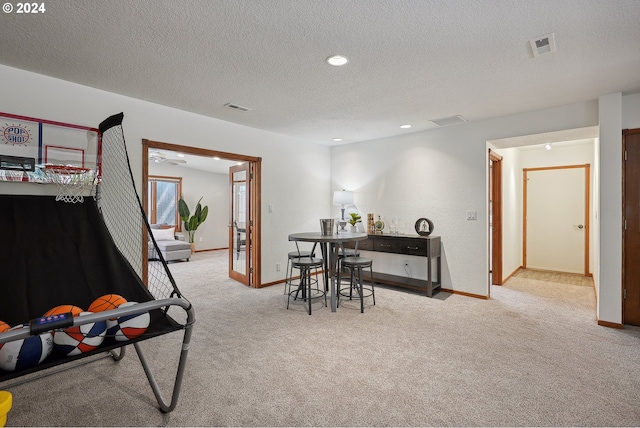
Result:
pixel 342 198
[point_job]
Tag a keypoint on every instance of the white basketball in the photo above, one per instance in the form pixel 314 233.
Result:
pixel 130 326
pixel 81 338
pixel 25 353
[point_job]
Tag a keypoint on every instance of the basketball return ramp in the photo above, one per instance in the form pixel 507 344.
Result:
pixel 80 244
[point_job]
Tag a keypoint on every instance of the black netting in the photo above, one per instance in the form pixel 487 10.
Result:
pixel 123 214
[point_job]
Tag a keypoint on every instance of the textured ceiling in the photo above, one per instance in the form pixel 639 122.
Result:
pixel 410 60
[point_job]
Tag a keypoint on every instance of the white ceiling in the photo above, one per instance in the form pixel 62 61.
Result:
pixel 410 60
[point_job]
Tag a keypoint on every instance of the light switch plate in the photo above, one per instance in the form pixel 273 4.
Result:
pixel 472 215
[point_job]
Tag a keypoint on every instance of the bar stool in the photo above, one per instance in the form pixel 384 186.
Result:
pixel 306 265
pixel 288 282
pixel 356 265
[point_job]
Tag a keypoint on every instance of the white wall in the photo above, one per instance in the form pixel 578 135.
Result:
pixel 295 173
pixel 440 174
pixel 609 291
pixel 631 111
pixel 595 217
pixel 214 190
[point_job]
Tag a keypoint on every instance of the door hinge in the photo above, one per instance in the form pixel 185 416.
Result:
pixel 250 270
pixel 625 155
pixel 625 294
pixel 625 225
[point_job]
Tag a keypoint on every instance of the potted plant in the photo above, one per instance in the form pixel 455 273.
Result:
pixel 355 218
pixel 192 222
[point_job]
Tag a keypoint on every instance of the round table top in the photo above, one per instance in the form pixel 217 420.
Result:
pixel 336 237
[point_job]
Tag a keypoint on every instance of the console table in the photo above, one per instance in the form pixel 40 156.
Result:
pixel 423 246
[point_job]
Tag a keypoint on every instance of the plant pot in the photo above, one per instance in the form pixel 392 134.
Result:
pixel 193 247
pixel 354 228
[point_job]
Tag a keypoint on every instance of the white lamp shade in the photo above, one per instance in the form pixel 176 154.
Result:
pixel 342 197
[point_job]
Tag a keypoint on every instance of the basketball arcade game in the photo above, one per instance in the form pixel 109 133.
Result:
pixel 90 240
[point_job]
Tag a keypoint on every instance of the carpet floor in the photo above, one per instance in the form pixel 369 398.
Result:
pixel 532 355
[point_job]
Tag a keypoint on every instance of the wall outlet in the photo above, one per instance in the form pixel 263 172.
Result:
pixel 278 267
pixel 472 215
pixel 200 239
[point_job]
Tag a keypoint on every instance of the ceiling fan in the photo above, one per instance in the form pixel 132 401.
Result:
pixel 159 157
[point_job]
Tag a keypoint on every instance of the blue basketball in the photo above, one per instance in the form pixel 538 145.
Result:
pixel 25 353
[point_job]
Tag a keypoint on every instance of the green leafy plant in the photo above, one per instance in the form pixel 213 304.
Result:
pixel 355 218
pixel 192 222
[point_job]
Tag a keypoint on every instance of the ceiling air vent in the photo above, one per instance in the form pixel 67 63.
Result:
pixel 236 107
pixel 451 120
pixel 543 45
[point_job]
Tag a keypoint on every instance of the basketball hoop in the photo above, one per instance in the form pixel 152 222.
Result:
pixel 71 181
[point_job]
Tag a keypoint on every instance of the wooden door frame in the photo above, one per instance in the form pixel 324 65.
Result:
pixel 255 279
pixel 625 132
pixel 587 203
pixel 495 170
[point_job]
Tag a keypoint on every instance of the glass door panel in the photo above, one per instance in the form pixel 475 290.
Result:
pixel 239 226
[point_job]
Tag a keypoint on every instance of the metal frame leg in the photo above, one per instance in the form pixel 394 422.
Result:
pixel 186 341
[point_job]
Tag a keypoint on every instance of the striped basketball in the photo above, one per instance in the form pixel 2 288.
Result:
pixel 106 303
pixel 63 309
pixel 80 338
pixel 25 353
pixel 130 326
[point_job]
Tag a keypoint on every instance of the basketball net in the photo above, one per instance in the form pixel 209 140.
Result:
pixel 71 181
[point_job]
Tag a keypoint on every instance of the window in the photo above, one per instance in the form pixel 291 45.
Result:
pixel 162 206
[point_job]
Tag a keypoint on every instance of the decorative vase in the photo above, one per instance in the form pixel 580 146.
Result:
pixel 193 247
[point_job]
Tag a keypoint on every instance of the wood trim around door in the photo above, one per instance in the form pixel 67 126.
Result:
pixel 587 204
pixel 626 277
pixel 255 209
pixel 496 214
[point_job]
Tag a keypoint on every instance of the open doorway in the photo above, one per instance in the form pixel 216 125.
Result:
pixel 549 150
pixel 251 245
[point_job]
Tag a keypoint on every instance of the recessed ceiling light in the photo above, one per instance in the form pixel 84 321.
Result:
pixel 337 60
pixel 405 126
pixel 547 146
pixel 180 155
pixel 337 139
pixel 216 158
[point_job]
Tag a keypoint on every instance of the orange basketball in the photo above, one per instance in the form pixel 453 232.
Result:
pixel 3 327
pixel 106 303
pixel 63 309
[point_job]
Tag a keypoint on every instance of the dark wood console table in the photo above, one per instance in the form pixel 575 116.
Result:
pixel 423 246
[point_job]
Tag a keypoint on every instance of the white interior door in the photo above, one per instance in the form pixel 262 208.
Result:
pixel 555 229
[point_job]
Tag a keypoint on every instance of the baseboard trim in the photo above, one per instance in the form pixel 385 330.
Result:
pixel 610 324
pixel 509 276
pixel 269 284
pixel 463 293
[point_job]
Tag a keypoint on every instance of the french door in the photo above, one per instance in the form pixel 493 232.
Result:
pixel 240 226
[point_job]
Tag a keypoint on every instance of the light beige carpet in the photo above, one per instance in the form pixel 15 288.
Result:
pixel 557 277
pixel 532 355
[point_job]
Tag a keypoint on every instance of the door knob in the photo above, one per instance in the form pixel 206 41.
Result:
pixel 579 226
